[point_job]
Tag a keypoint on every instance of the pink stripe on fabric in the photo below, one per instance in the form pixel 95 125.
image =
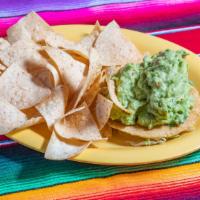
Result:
pixel 129 13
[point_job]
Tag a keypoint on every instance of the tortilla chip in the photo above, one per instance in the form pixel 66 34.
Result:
pixel 102 109
pixel 78 125
pixel 94 89
pixel 10 117
pixel 114 49
pixel 61 149
pixel 92 92
pixel 2 68
pixel 164 131
pixel 56 40
pixel 17 32
pixel 32 26
pixel 32 122
pixel 52 74
pixel 106 131
pixel 71 71
pixel 53 107
pixel 26 53
pixel 20 89
pixel 81 48
pixel 19 51
pixel 3 44
pixel 93 71
pixel 111 89
pixel 88 41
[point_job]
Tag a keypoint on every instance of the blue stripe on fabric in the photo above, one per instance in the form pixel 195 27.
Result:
pixel 24 169
pixel 7 141
pixel 11 8
pixel 176 30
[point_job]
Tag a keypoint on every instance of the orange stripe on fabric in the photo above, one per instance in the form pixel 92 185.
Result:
pixel 118 182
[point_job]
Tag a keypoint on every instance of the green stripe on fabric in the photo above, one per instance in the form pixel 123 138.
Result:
pixel 24 169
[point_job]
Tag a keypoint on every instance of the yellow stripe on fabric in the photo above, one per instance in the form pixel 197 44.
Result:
pixel 100 185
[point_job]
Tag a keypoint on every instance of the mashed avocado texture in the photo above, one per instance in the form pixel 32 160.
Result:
pixel 156 92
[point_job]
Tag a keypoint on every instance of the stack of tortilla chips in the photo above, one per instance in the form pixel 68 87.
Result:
pixel 66 84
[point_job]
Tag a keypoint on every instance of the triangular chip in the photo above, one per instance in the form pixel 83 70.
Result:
pixel 32 26
pixel 81 48
pixel 19 88
pixel 71 71
pixel 19 51
pixel 61 149
pixel 78 125
pixel 102 109
pixel 26 53
pixel 164 131
pixel 114 49
pixel 86 43
pixel 93 71
pixel 10 117
pixel 56 40
pixel 89 40
pixel 53 107
pixel 3 44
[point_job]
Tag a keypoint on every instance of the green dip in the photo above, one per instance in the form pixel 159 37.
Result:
pixel 156 92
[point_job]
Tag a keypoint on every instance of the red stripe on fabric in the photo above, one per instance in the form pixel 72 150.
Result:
pixel 2 137
pixel 166 190
pixel 187 39
pixel 128 13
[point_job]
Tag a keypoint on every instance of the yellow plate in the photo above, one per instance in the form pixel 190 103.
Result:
pixel 108 153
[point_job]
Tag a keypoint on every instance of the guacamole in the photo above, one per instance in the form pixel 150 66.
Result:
pixel 156 92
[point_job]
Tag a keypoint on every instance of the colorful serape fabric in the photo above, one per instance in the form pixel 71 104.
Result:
pixel 25 174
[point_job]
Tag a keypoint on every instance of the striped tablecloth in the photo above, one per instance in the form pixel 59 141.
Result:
pixel 24 174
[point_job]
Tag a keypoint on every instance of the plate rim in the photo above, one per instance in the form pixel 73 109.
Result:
pixel 79 157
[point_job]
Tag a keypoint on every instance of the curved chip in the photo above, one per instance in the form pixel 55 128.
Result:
pixel 61 149
pixel 93 71
pixel 78 125
pixel 164 131
pixel 18 88
pixel 102 109
pixel 10 117
pixel 71 71
pixel 53 107
pixel 114 49
pixel 111 89
pixel 92 92
pixel 32 122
